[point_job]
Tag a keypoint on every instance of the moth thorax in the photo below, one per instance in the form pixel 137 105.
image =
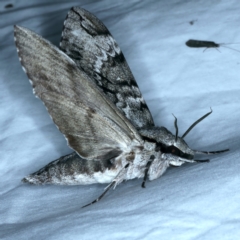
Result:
pixel 166 142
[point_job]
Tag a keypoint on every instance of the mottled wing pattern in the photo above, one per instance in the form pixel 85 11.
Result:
pixel 91 123
pixel 88 42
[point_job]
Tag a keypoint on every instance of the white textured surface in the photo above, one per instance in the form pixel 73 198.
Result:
pixel 196 201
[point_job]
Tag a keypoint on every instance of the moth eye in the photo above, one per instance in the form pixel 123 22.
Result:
pixel 176 151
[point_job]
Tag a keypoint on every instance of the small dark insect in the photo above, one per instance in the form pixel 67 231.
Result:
pixel 192 22
pixel 206 44
pixel 9 5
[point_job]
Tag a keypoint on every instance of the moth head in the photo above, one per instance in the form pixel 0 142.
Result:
pixel 168 143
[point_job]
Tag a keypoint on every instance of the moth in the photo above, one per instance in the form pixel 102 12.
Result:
pixel 206 44
pixel 94 100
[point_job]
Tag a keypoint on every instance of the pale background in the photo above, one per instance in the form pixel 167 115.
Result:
pixel 196 201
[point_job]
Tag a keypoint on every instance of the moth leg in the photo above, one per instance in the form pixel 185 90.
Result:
pixel 200 161
pixel 178 161
pixel 146 173
pixel 118 179
pixel 146 170
pixel 193 161
pixel 101 196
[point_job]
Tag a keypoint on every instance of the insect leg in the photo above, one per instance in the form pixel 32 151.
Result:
pixel 211 47
pixel 113 184
pixel 101 196
pixel 146 170
pixel 209 153
pixel 195 160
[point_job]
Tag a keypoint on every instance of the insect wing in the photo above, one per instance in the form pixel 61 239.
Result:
pixel 88 42
pixel 92 125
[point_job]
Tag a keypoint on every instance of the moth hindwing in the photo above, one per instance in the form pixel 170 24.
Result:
pixel 93 98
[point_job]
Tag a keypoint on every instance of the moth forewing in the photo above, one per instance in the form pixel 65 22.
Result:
pixel 89 43
pixel 92 125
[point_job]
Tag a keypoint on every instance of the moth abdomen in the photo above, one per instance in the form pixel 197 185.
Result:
pixel 70 170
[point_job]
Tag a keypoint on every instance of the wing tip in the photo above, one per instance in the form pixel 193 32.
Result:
pixel 17 29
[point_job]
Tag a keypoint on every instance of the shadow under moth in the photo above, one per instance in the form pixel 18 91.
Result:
pixel 94 100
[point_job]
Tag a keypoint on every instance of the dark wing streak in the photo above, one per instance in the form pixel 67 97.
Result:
pixel 91 123
pixel 88 42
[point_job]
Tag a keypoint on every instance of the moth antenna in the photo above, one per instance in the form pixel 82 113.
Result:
pixel 102 195
pixel 230 48
pixel 176 127
pixel 195 123
pixel 229 43
pixel 209 153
